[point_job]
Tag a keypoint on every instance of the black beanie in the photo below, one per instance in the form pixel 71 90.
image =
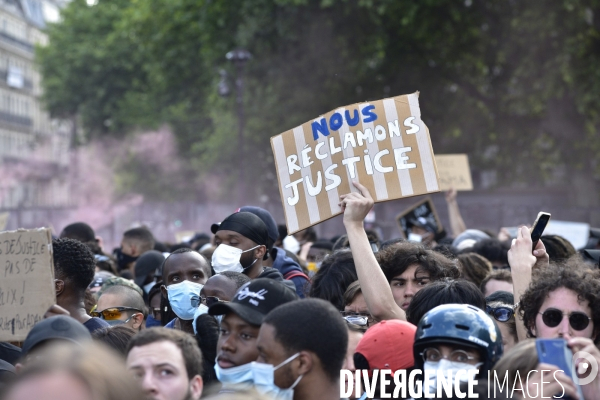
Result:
pixel 246 224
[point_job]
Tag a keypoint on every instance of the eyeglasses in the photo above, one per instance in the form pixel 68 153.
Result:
pixel 360 319
pixel 113 313
pixel 432 354
pixel 206 300
pixel 500 314
pixel 578 320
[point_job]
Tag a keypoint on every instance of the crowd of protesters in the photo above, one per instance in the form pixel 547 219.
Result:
pixel 250 312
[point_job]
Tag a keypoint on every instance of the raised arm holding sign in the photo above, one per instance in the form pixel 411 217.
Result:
pixel 373 283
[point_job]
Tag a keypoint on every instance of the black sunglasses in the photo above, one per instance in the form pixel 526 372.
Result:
pixel 500 314
pixel 577 319
pixel 206 300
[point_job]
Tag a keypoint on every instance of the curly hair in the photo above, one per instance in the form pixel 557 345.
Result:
pixel 558 248
pixel 492 249
pixel 573 276
pixel 474 267
pixel 73 262
pixel 395 260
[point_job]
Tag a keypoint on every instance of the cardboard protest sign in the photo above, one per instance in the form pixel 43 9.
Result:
pixel 382 144
pixel 454 171
pixel 423 212
pixel 3 220
pixel 27 284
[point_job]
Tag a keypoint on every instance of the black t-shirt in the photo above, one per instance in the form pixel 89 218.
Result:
pixel 95 323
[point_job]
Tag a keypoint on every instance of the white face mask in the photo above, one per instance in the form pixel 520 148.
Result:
pixel 413 237
pixel 227 258
pixel 259 375
pixel 443 368
pixel 291 244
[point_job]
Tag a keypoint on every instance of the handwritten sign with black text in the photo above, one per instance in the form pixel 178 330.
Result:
pixel 27 281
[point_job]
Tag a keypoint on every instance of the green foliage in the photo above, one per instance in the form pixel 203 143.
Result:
pixel 516 85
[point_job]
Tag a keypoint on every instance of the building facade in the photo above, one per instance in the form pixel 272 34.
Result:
pixel 34 150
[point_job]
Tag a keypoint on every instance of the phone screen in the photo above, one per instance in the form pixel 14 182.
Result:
pixel 555 352
pixel 538 227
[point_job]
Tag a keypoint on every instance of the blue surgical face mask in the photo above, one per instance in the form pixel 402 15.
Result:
pixel 152 322
pixel 180 298
pixel 259 375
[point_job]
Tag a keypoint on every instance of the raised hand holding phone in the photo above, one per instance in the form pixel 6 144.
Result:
pixel 537 229
pixel 522 261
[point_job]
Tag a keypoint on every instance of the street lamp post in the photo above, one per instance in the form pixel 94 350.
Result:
pixel 239 57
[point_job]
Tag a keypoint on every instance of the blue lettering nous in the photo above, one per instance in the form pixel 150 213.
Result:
pixel 336 121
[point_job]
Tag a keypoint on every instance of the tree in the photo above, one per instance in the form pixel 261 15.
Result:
pixel 510 83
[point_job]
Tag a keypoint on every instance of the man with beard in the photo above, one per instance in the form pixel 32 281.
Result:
pixel 135 242
pixel 167 363
pixel 241 241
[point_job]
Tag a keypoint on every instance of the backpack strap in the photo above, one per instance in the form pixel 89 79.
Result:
pixel 295 274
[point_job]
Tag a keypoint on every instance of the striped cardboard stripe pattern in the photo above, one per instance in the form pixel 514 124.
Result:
pixel 382 144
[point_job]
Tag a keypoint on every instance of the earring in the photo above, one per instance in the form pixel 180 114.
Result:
pixel 165 308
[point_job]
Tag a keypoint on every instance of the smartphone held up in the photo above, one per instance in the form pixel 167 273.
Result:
pixel 537 229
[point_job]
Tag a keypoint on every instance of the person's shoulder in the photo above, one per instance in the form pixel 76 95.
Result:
pixel 271 273
pixel 171 324
pixel 94 324
pixel 283 263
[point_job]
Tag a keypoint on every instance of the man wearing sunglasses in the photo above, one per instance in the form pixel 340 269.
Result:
pixel 121 305
pixel 222 287
pixel 499 305
pixel 562 301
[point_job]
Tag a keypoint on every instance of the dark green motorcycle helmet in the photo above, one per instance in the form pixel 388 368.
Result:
pixel 463 325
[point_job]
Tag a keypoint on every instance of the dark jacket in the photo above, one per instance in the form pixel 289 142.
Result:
pixel 290 271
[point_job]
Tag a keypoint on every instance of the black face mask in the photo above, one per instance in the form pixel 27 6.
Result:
pixel 123 259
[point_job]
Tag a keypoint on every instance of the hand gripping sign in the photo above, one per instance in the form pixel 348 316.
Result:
pixel 382 144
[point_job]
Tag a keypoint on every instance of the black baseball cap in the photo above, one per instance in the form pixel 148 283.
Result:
pixel 59 327
pixel 246 224
pixel 255 300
